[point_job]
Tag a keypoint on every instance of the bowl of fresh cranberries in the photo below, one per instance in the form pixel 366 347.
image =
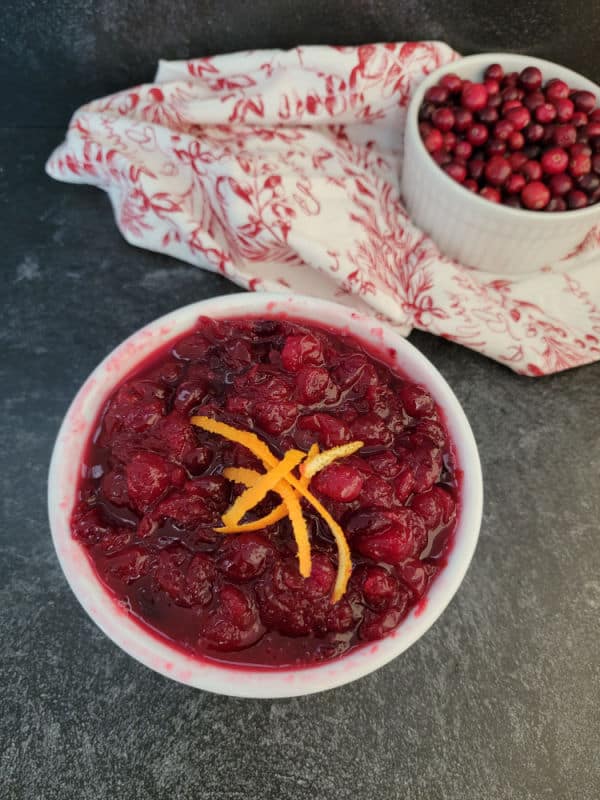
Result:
pixel 265 496
pixel 502 161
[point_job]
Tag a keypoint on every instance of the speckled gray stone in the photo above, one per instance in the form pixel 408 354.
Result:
pixel 499 701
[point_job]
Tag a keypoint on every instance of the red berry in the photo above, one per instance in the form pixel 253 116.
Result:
pixel 497 171
pixel 471 185
pixel 509 105
pixel 451 82
pixel 456 171
pixel 588 183
pixel 520 117
pixel 492 86
pixel 593 129
pixel 596 163
pixel 495 148
pixel 556 90
pixel 560 184
pixel 476 167
pixel 532 170
pixel 564 110
pixel 533 100
pixel 513 201
pixel 535 196
pixel 474 96
pixel 595 115
pixel 516 140
pixel 548 133
pixel 487 115
pixel 494 73
pixel 511 93
pixel 584 101
pixel 580 165
pixel 491 194
pixel 441 157
pixel 515 183
pixel 443 119
pixel 516 160
pixel 577 199
pixel 530 78
pixel 532 151
pixel 564 135
pixel 494 100
pixel 534 132
pixel 580 149
pixel 511 78
pixel 449 141
pixel 555 160
pixel 437 95
pixel 545 113
pixel 463 119
pixel 579 119
pixel 477 135
pixel 503 129
pixel 463 150
pixel 556 204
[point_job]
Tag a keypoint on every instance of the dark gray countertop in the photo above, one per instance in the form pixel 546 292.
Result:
pixel 500 700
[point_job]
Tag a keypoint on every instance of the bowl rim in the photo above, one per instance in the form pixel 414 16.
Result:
pixel 156 653
pixel 412 126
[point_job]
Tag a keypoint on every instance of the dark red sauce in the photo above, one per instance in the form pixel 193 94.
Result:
pixel 153 491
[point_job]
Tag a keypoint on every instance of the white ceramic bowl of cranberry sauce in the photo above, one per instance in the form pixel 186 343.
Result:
pixel 488 235
pixel 75 465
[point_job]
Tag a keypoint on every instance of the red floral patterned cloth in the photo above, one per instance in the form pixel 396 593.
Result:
pixel 280 171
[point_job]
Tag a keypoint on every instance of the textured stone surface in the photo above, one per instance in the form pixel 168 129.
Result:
pixel 499 701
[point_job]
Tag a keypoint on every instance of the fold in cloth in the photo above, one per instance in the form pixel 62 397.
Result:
pixel 280 170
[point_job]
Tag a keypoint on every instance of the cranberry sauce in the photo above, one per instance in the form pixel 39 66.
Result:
pixel 153 492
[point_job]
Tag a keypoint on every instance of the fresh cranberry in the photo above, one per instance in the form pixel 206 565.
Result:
pixel 463 150
pixel 471 185
pixel 545 113
pixel 532 170
pixel 497 171
pixel 560 184
pixel 556 90
pixel 441 157
pixel 519 117
pixel 596 163
pixel 475 168
pixel 532 151
pixel 564 135
pixel 487 115
pixel 534 99
pixel 584 101
pixel 491 194
pixel 576 199
pixel 511 94
pixel 474 96
pixel 579 119
pixel 492 86
pixel 509 105
pixel 437 94
pixel 449 140
pixel 515 183
pixel 494 72
pixel 580 165
pixel 516 161
pixel 592 130
pixel 564 110
pixel 503 129
pixel 495 147
pixel 516 141
pixel 512 201
pixel 580 149
pixel 535 195
pixel 463 119
pixel 477 135
pixel 451 82
pixel 443 119
pixel 556 204
pixel 554 161
pixel 530 78
pixel 456 171
pixel 589 183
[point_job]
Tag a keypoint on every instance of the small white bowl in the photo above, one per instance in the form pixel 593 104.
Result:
pixel 157 653
pixel 470 229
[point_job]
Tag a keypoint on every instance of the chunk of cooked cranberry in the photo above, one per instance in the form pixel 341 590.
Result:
pixel 193 348
pixel 89 526
pixel 416 400
pixel 197 460
pixel 300 350
pixel 114 487
pixel 237 353
pixel 436 507
pixel 384 464
pixel 131 565
pixel 137 407
pixel 339 481
pixel 377 626
pixel 340 618
pixel 313 385
pixel 115 541
pixel 329 430
pixel 234 624
pixel 372 430
pixel 201 501
pixel 377 492
pixel 187 580
pixel 275 417
pixel 417 575
pixel 245 556
pixel 148 477
pixel 379 588
pixel 190 395
pixel 292 605
pixel 387 536
pixel 432 429
pixel 404 484
pixel 177 435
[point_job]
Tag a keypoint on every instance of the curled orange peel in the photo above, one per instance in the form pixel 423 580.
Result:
pixel 281 479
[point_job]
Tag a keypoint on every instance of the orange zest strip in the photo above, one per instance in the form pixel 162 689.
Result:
pixel 291 507
pixel 245 438
pixel 253 495
pixel 318 462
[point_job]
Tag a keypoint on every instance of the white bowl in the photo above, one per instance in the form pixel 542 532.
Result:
pixel 158 654
pixel 474 231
